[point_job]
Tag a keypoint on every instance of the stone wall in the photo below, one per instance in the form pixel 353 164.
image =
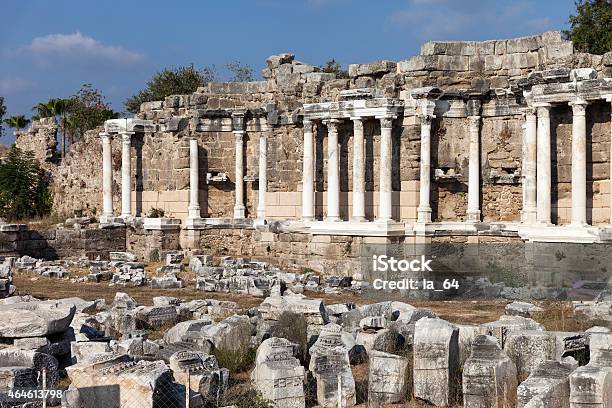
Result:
pixel 40 139
pixel 58 243
pixel 160 159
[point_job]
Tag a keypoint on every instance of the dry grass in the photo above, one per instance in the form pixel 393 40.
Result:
pixel 42 223
pixel 48 288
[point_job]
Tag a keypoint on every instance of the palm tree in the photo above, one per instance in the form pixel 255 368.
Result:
pixel 58 109
pixel 17 122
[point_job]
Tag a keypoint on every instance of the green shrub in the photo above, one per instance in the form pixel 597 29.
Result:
pixel 156 213
pixel 293 327
pixel 24 189
pixel 154 255
pixel 236 360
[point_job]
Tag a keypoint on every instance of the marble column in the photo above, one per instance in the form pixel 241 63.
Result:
pixel 543 178
pixel 194 180
pixel 107 178
pixel 262 178
pixel 424 208
pixel 333 171
pixel 579 164
pixel 529 166
pixel 385 204
pixel 609 99
pixel 473 205
pixel 126 175
pixel 308 173
pixel 358 171
pixel 239 209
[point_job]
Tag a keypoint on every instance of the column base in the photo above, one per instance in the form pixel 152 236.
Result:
pixel 473 216
pixel 193 212
pixel 239 212
pixel 358 218
pixel 259 222
pixel 423 215
pixel 333 219
pixel 528 216
pixel 195 223
pixel 307 218
pixel 111 219
pixel 579 224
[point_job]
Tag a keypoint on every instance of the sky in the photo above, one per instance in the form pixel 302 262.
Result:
pixel 49 49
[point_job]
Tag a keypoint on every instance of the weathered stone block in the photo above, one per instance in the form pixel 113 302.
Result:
pixel 387 380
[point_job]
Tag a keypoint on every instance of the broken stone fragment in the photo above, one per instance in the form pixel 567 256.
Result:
pixel 35 319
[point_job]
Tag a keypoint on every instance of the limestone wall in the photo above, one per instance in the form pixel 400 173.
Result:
pixel 58 243
pixel 160 159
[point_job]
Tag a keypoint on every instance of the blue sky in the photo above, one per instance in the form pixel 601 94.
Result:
pixel 48 49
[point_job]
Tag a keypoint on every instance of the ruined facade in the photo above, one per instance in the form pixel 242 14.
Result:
pixel 505 135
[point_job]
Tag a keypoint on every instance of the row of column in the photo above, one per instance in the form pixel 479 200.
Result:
pixel 333 171
pixel 537 181
pixel 473 204
pixel 194 211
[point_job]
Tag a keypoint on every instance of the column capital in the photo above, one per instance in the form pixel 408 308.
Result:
pixel 307 122
pixel 357 122
pixel 386 122
pixel 332 124
pixel 529 113
pixel 426 119
pixel 578 106
pixel 608 97
pixel 105 135
pixel 126 137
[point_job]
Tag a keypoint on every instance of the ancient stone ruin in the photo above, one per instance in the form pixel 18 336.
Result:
pixel 267 196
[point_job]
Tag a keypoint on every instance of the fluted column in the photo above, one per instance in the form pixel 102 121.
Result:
pixel 385 162
pixel 308 173
pixel 473 207
pixel 543 181
pixel 263 177
pixel 107 178
pixel 424 208
pixel 239 209
pixel 358 171
pixel 529 165
pixel 194 180
pixel 579 164
pixel 333 171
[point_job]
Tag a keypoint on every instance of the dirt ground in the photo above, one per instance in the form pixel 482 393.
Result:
pixel 557 315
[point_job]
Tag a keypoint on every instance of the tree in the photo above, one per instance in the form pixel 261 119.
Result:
pixel 240 72
pixel 2 112
pixel 591 27
pixel 334 67
pixel 87 110
pixel 177 81
pixel 17 122
pixel 23 187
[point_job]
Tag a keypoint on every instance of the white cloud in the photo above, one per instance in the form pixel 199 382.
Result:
pixel 78 47
pixel 11 86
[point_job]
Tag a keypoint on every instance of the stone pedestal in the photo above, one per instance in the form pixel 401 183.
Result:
pixel 489 376
pixel 436 353
pixel 387 378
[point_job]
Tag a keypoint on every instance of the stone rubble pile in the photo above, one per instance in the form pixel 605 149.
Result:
pixel 110 352
pixel 6 278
